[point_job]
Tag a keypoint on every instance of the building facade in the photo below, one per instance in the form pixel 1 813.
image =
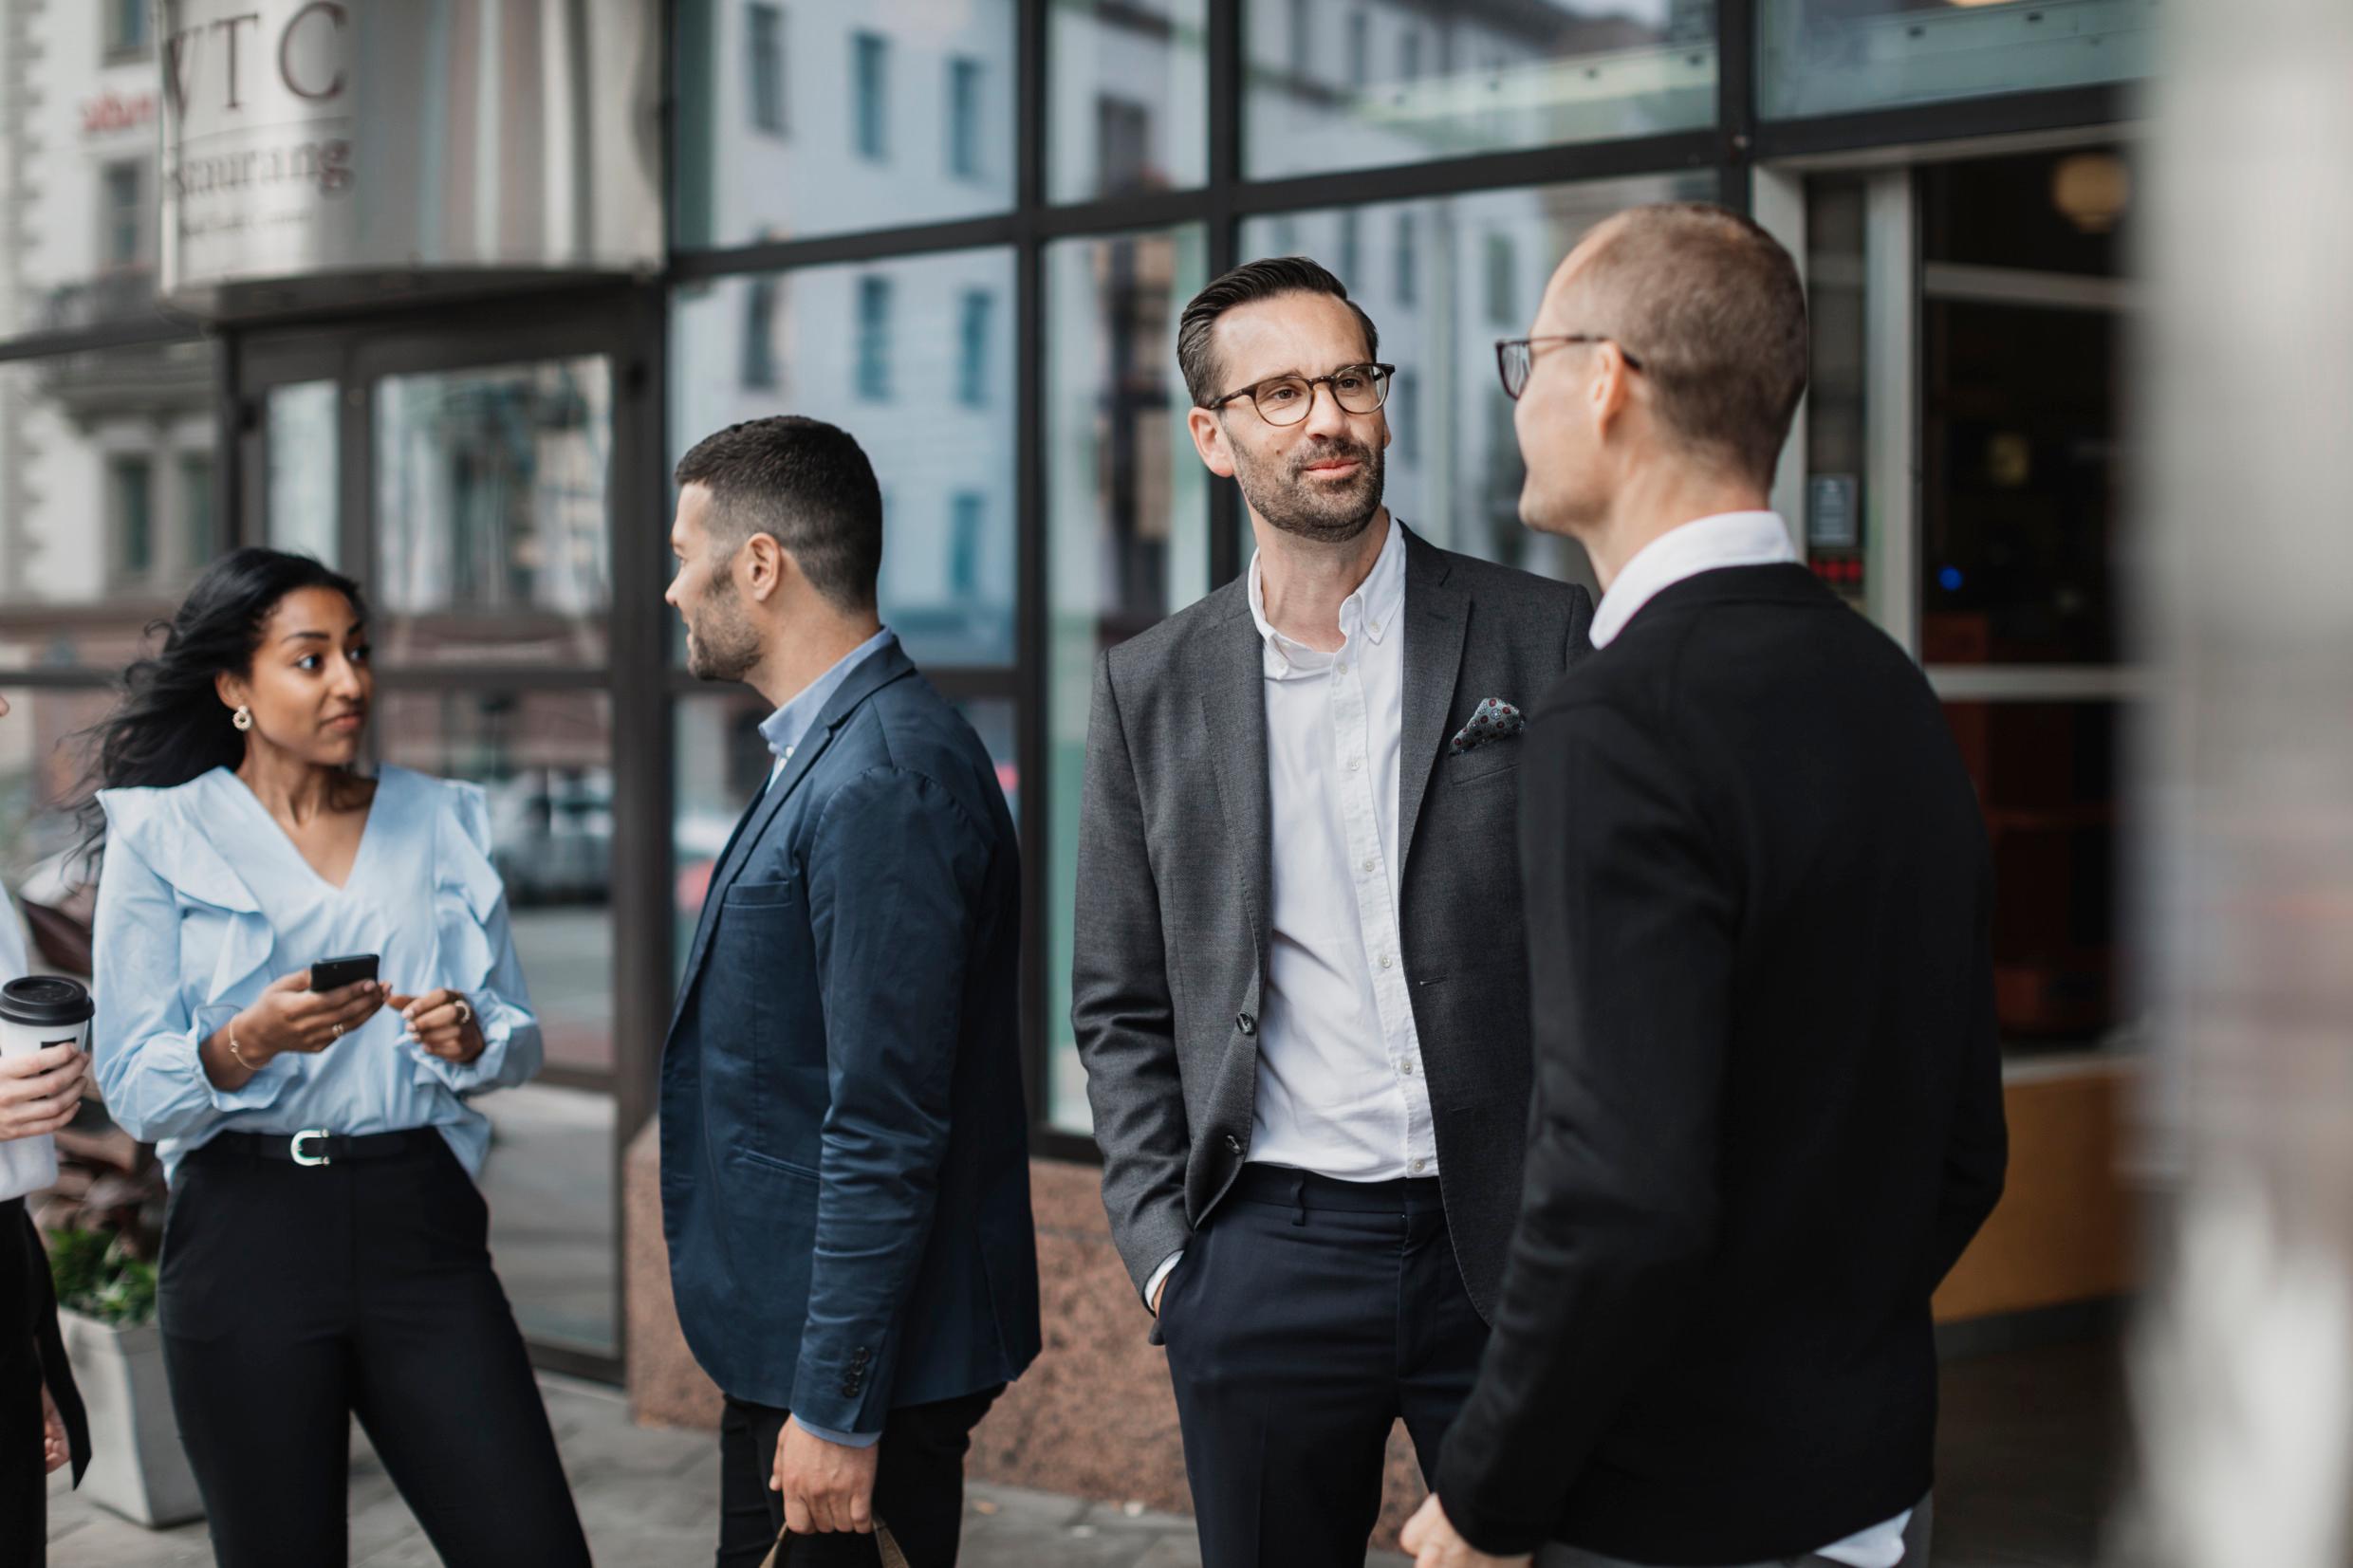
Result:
pixel 963 229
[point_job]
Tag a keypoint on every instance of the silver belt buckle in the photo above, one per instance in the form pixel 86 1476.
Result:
pixel 295 1147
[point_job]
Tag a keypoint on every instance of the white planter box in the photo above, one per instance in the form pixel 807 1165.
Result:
pixel 137 1467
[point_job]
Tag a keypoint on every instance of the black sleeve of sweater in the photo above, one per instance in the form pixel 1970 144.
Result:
pixel 1631 931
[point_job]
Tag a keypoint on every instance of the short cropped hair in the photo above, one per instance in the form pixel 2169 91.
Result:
pixel 806 483
pixel 1713 307
pixel 1246 284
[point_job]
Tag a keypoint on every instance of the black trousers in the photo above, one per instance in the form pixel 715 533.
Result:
pixel 1307 1317
pixel 24 1478
pixel 919 1486
pixel 293 1299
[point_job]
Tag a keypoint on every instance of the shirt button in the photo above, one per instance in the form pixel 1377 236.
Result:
pixel 1384 960
pixel 1355 762
pixel 1374 628
pixel 1342 666
pixel 1368 865
pixel 1409 1067
pixel 1421 1165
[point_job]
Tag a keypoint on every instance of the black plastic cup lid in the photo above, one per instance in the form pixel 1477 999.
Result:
pixel 46 998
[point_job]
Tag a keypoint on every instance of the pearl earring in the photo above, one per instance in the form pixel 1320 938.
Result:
pixel 242 718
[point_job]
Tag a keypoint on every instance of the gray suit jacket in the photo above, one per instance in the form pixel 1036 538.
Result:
pixel 1171 943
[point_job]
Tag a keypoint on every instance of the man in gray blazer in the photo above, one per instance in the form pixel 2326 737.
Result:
pixel 1298 983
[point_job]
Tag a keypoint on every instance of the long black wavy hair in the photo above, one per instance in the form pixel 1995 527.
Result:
pixel 170 726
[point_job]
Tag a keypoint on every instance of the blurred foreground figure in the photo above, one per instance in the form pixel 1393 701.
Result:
pixel 2245 1365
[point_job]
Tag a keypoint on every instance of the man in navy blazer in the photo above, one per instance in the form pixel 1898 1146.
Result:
pixel 844 1170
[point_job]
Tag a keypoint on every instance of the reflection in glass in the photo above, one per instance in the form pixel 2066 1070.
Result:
pixel 43 762
pixel 100 525
pixel 79 93
pixel 1820 57
pixel 1366 83
pixel 2023 315
pixel 2046 776
pixel 1838 544
pixel 798 121
pixel 1129 110
pixel 492 533
pixel 304 469
pixel 545 761
pixel 910 357
pixel 1126 525
pixel 1462 272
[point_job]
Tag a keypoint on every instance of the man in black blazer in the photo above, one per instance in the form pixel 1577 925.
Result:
pixel 1769 1112
pixel 1298 981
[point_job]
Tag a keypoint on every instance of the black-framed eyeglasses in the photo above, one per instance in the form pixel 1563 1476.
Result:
pixel 1285 399
pixel 1516 356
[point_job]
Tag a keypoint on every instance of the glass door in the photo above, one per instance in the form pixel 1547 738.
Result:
pixel 472 477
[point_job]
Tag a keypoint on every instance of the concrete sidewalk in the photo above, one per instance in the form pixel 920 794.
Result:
pixel 650 1499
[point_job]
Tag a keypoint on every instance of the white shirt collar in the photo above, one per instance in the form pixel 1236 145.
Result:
pixel 1706 545
pixel 1372 610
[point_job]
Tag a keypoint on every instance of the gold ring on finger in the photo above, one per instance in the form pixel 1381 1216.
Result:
pixel 338 1033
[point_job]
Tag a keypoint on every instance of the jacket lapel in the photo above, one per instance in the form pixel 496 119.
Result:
pixel 1232 680
pixel 1436 617
pixel 882 667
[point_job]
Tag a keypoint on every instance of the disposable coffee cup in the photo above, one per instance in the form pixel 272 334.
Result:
pixel 42 1011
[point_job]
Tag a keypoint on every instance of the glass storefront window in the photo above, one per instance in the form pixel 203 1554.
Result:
pixel 1128 108
pixel 2046 779
pixel 44 764
pixel 545 760
pixel 1824 57
pixel 1366 83
pixel 2024 308
pixel 105 499
pixel 493 532
pixel 914 357
pixel 78 98
pixel 804 120
pixel 305 473
pixel 1442 278
pixel 1126 530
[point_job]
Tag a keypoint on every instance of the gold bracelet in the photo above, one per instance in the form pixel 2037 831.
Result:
pixel 239 1055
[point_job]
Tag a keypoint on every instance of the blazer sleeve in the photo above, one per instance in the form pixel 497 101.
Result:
pixel 1977 1150
pixel 1121 1011
pixel 895 869
pixel 1631 923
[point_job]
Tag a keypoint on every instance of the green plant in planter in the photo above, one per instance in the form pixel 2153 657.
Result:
pixel 97 1277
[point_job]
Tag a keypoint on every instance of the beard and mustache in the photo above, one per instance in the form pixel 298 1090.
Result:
pixel 721 641
pixel 1319 510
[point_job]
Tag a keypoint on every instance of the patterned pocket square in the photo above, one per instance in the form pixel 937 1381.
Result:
pixel 1496 720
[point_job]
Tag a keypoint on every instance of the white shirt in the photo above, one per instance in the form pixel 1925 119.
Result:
pixel 1729 539
pixel 1341 1090
pixel 27 1165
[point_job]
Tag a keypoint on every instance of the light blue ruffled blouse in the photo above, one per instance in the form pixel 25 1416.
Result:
pixel 204 900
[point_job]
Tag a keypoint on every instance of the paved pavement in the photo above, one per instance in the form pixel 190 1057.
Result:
pixel 650 1499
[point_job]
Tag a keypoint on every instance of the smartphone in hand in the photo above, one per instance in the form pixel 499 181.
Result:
pixel 333 975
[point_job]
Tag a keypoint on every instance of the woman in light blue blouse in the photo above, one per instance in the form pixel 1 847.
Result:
pixel 324 1253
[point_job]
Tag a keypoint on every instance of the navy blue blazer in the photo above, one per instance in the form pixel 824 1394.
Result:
pixel 845 1159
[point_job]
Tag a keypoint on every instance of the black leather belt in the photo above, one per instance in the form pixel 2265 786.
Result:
pixel 319 1147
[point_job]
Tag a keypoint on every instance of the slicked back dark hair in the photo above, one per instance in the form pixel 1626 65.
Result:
pixel 1246 284
pixel 806 485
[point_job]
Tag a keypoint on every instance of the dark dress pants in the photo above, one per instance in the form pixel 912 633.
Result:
pixel 919 1486
pixel 1307 1317
pixel 295 1298
pixel 24 1476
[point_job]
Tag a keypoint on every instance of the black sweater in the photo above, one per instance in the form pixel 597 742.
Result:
pixel 1769 1105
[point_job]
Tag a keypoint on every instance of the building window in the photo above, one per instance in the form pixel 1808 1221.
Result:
pixel 124 185
pixel 1122 145
pixel 1502 283
pixel 871 102
pixel 972 356
pixel 767 60
pixel 1351 258
pixel 1298 38
pixel 1403 411
pixel 195 505
pixel 967 519
pixel 1407 258
pixel 874 337
pixel 127 35
pixel 964 118
pixel 1409 55
pixel 130 498
pixel 759 363
pixel 1360 49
